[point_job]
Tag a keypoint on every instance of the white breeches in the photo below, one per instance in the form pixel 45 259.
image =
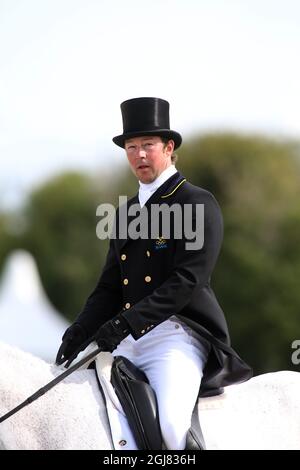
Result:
pixel 173 358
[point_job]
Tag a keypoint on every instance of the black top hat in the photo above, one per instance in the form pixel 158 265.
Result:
pixel 146 116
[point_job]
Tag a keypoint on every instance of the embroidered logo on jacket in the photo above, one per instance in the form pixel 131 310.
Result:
pixel 160 243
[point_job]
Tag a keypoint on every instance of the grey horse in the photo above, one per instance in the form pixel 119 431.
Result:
pixel 263 413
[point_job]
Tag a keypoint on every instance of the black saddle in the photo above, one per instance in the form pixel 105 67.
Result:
pixel 139 403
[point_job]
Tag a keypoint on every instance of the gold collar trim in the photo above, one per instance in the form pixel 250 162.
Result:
pixel 175 189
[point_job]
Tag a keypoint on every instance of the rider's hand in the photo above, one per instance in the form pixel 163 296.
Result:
pixel 74 337
pixel 112 333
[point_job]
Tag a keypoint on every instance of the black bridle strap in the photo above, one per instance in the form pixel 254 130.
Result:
pixel 51 384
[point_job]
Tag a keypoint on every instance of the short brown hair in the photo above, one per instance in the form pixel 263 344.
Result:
pixel 174 156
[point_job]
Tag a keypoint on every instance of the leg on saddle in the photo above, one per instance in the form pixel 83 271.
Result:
pixel 173 360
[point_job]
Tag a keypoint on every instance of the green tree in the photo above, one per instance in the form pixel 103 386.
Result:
pixel 9 231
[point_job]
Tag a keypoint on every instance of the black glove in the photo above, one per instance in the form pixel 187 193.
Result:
pixel 112 333
pixel 74 337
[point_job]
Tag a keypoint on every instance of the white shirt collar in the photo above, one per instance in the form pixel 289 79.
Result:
pixel 147 189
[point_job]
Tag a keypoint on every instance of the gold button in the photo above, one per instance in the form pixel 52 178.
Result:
pixel 123 257
pixel 148 253
pixel 127 305
pixel 143 331
pixel 148 279
pixel 125 282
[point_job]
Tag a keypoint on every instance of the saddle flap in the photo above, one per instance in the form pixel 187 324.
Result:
pixel 139 403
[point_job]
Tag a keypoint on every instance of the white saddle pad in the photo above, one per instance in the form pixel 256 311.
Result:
pixel 120 431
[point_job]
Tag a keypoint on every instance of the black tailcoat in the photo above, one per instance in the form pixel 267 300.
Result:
pixel 151 279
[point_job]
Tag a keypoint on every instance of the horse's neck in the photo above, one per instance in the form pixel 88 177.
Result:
pixel 23 373
pixel 48 423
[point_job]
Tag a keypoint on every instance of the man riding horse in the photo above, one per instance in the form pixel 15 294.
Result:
pixel 153 303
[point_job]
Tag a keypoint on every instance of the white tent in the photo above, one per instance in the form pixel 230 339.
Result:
pixel 27 319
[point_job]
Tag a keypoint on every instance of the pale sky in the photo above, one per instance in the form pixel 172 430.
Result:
pixel 66 65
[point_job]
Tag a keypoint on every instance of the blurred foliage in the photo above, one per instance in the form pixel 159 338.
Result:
pixel 256 181
pixel 59 230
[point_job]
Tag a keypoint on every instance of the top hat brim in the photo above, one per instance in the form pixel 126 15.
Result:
pixel 167 133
